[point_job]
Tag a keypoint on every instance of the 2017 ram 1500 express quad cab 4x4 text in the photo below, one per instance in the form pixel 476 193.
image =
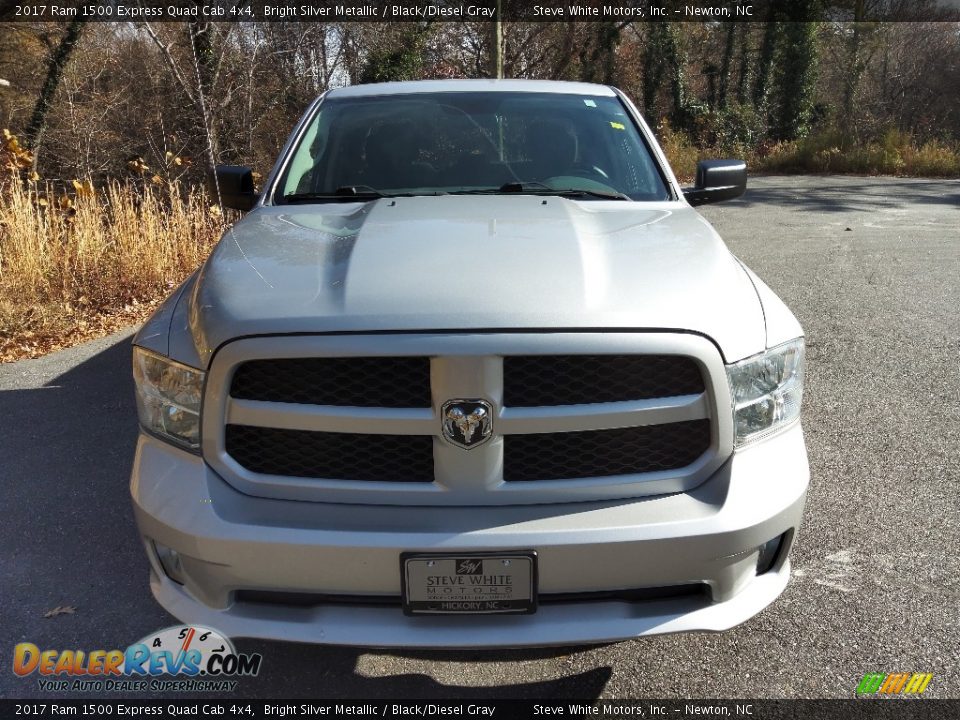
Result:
pixel 471 372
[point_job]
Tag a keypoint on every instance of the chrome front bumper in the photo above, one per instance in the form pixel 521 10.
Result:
pixel 229 541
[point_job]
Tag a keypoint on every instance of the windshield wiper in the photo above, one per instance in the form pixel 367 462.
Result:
pixel 605 194
pixel 539 188
pixel 526 188
pixel 345 193
pixel 350 193
pixel 478 191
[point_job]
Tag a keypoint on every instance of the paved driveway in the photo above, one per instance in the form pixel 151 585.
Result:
pixel 871 267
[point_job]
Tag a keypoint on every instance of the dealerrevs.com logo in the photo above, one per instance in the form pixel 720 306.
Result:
pixel 199 658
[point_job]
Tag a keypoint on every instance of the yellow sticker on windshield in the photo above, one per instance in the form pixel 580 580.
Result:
pixel 617 126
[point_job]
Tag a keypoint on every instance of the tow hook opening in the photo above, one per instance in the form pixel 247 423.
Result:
pixel 170 561
pixel 769 554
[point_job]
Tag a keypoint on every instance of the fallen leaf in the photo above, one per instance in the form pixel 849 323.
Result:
pixel 83 189
pixel 60 610
pixel 137 164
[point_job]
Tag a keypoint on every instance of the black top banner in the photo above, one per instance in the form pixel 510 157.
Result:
pixel 616 11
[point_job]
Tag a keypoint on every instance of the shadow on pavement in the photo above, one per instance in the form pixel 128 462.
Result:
pixel 69 539
pixel 858 194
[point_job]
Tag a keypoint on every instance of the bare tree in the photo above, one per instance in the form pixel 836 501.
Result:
pixel 33 134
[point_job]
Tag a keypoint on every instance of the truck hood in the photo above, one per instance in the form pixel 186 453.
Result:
pixel 474 263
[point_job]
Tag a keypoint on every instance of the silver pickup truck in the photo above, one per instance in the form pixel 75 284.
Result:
pixel 470 372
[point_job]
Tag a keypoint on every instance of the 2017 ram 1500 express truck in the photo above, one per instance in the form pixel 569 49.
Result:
pixel 471 372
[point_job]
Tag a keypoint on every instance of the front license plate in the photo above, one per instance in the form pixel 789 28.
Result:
pixel 465 583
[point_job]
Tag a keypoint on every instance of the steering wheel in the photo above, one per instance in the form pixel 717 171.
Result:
pixel 591 172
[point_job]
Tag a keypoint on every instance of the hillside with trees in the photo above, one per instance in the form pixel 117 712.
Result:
pixel 110 128
pixel 89 98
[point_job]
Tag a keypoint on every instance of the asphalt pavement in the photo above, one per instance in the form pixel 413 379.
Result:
pixel 870 266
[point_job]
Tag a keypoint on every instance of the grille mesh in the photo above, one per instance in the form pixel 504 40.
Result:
pixel 529 381
pixel 535 381
pixel 631 595
pixel 333 456
pixel 394 382
pixel 602 453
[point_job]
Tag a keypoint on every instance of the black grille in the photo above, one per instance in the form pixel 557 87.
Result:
pixel 311 599
pixel 334 456
pixel 538 380
pixel 602 453
pixel 647 594
pixel 394 382
pixel 631 595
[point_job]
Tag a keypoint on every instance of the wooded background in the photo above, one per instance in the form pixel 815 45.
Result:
pixel 115 100
pixel 109 128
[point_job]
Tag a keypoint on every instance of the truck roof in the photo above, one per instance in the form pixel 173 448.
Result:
pixel 433 86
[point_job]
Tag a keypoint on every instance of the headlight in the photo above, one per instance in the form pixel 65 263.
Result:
pixel 168 397
pixel 766 391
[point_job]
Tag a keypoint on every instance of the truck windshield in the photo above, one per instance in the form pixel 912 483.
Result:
pixel 471 143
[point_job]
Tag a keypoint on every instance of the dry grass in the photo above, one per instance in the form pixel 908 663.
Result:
pixel 892 153
pixel 681 152
pixel 80 266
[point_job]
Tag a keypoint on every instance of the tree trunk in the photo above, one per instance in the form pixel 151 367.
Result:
pixel 33 134
pixel 675 62
pixel 743 81
pixel 723 82
pixel 664 59
pixel 856 66
pixel 600 63
pixel 765 62
pixel 796 80
pixel 202 41
pixel 496 45
pixel 652 70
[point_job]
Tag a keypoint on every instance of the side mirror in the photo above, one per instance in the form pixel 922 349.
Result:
pixel 717 180
pixel 235 183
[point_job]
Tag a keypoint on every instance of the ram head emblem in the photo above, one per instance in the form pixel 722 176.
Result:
pixel 467 423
